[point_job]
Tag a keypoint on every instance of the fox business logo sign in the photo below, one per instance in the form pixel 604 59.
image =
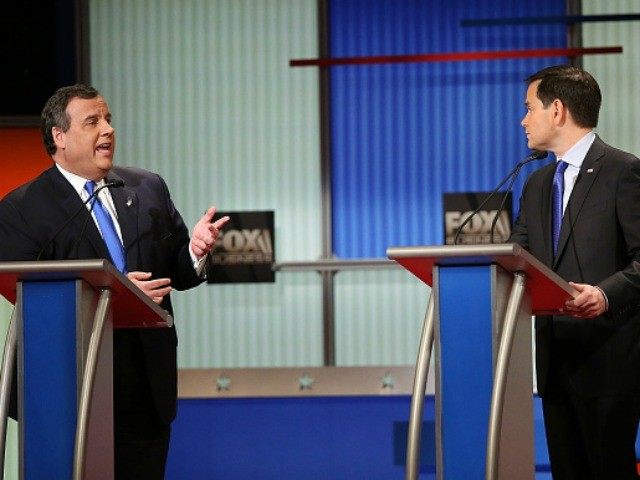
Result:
pixel 244 250
pixel 459 206
pixel 244 246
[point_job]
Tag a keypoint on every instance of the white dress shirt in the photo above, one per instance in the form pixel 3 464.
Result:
pixel 574 157
pixel 104 195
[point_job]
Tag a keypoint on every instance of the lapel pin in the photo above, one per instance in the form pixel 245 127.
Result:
pixel 129 201
pixel 589 170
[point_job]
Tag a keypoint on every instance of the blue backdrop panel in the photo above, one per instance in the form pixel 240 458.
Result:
pixel 402 134
pixel 50 408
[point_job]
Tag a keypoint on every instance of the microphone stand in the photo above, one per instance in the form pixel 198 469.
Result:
pixel 536 155
pixel 503 202
pixel 111 184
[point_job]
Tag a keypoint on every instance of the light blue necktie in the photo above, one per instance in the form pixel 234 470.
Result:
pixel 108 230
pixel 557 195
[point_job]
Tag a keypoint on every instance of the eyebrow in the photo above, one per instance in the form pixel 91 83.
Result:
pixel 96 116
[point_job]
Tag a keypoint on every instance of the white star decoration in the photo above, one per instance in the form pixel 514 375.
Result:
pixel 223 383
pixel 305 382
pixel 388 381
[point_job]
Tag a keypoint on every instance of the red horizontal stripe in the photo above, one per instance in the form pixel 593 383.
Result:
pixel 454 57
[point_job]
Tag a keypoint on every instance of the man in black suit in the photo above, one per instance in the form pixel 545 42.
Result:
pixel 588 360
pixel 152 247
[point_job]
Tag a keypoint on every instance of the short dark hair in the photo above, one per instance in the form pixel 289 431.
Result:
pixel 574 87
pixel 54 113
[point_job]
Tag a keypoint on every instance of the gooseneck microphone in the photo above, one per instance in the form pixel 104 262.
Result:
pixel 535 155
pixel 110 184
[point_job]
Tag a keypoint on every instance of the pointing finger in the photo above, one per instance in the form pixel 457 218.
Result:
pixel 208 215
pixel 220 222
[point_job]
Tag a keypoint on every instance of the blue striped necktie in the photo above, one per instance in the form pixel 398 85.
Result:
pixel 557 195
pixel 108 230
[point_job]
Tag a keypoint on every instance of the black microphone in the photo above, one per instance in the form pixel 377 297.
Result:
pixel 535 155
pixel 110 184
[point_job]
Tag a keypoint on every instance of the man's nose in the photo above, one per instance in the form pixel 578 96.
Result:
pixel 107 129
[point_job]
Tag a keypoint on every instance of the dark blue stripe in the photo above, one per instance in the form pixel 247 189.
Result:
pixel 559 19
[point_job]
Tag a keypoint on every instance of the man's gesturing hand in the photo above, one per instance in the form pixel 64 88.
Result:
pixel 205 233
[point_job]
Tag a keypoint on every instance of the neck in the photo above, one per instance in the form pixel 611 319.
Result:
pixel 568 139
pixel 96 176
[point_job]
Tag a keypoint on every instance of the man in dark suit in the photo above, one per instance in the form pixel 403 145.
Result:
pixel 152 246
pixel 588 360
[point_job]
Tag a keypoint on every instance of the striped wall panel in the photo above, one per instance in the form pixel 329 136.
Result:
pixel 379 317
pixel 404 134
pixel 202 93
pixel 11 445
pixel 617 74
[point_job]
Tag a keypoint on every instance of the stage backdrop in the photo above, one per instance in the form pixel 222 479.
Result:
pixel 203 93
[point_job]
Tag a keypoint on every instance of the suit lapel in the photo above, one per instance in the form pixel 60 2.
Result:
pixel 588 173
pixel 126 202
pixel 83 224
pixel 545 214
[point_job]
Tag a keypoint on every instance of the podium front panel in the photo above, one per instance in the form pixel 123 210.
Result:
pixel 464 336
pixel 54 328
pixel 471 305
pixel 48 407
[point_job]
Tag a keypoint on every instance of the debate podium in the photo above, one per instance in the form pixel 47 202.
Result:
pixel 61 332
pixel 479 320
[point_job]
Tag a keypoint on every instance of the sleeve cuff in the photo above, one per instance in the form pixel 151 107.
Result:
pixel 199 263
pixel 606 300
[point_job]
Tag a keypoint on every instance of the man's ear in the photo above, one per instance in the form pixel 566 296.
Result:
pixel 559 112
pixel 59 137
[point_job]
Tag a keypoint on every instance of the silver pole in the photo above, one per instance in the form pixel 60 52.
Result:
pixel 6 371
pixel 88 378
pixel 500 380
pixel 419 387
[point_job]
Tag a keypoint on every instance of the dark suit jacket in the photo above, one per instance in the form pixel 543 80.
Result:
pixel 155 240
pixel 600 245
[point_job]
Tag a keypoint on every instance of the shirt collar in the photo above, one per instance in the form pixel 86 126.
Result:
pixel 575 155
pixel 76 181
